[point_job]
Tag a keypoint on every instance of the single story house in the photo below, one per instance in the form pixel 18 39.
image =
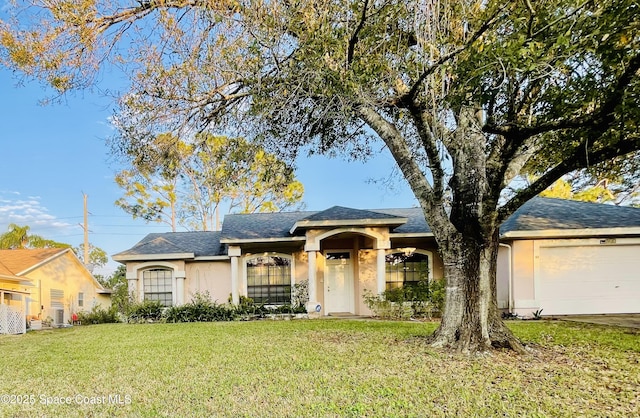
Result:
pixel 48 283
pixel 564 257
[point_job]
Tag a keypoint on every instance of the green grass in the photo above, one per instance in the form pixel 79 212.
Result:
pixel 318 368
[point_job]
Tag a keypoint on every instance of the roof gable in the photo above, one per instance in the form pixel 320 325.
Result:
pixel 342 216
pixel 22 260
pixel 179 244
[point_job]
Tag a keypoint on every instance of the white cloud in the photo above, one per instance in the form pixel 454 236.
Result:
pixel 29 211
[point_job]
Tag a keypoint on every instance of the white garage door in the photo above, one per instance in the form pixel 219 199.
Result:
pixel 588 279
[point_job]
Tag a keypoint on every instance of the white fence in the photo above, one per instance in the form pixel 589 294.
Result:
pixel 12 320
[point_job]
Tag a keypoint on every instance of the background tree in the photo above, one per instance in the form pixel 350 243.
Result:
pixel 117 282
pixel 464 95
pixel 187 183
pixel 97 256
pixel 18 237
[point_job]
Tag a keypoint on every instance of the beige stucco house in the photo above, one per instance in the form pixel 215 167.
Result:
pixel 48 283
pixel 561 256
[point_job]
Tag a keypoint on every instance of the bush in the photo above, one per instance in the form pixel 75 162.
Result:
pixel 424 300
pixel 200 309
pixel 148 310
pixel 99 316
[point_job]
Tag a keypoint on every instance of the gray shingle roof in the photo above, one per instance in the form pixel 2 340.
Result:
pixel 340 213
pixel 542 213
pixel 535 215
pixel 200 243
pixel 260 225
pixel 415 224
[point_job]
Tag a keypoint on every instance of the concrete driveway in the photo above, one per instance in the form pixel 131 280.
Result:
pixel 618 320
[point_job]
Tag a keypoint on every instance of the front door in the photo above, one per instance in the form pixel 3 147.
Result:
pixel 338 286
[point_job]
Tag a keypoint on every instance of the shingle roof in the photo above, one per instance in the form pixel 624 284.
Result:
pixel 340 213
pixel 260 225
pixel 542 213
pixel 200 243
pixel 415 224
pixel 537 214
pixel 17 261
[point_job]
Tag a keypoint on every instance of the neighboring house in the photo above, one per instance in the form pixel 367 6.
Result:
pixel 564 257
pixel 48 283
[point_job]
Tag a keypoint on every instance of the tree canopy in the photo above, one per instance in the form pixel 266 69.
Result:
pixel 186 183
pixel 18 237
pixel 465 95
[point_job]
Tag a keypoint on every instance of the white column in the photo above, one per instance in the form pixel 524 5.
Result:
pixel 313 293
pixel 234 253
pixel 179 291
pixel 132 286
pixel 380 270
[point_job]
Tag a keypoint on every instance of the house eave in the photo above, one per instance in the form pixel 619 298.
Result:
pixel 212 258
pixel 412 235
pixel 565 233
pixel 15 279
pixel 232 241
pixel 342 223
pixel 146 257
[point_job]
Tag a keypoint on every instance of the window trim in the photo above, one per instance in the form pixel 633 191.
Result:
pixel 427 253
pixel 245 269
pixel 172 279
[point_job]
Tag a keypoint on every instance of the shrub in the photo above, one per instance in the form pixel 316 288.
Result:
pixel 200 309
pixel 300 296
pixel 99 315
pixel 148 310
pixel 424 300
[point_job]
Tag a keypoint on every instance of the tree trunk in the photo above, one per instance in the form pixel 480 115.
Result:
pixel 471 320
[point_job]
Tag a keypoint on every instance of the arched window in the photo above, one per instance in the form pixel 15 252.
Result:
pixel 269 280
pixel 158 285
pixel 406 269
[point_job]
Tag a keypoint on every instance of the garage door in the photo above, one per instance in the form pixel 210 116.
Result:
pixel 575 280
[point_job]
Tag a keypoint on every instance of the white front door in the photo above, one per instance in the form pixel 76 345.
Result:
pixel 338 285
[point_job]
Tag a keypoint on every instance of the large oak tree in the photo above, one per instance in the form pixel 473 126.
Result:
pixel 464 94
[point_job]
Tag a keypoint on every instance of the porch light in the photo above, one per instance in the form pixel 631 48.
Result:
pixel 408 251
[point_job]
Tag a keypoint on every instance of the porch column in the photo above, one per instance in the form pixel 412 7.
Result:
pixel 179 291
pixel 132 286
pixel 313 294
pixel 381 270
pixel 234 253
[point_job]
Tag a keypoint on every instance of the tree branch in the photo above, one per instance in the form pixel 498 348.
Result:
pixel 411 94
pixel 603 116
pixel 354 37
pixel 429 144
pixel 581 158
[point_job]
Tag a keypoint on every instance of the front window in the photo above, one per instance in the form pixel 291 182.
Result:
pixel 269 280
pixel 80 299
pixel 404 270
pixel 158 286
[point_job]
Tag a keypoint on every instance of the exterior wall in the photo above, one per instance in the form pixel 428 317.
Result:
pixel 15 301
pixel 64 273
pixel 503 277
pixel 522 278
pixel 210 276
pixel 367 279
pixel 135 270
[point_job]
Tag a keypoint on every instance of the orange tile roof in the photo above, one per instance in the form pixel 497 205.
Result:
pixel 17 261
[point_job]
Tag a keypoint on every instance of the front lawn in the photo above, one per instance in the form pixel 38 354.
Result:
pixel 315 368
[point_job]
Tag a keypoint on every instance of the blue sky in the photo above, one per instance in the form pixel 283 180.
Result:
pixel 53 154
